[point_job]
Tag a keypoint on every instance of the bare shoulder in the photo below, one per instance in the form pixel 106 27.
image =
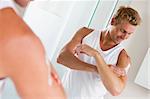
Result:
pixel 26 42
pixel 123 59
pixel 23 51
pixel 77 38
pixel 82 32
pixel 86 29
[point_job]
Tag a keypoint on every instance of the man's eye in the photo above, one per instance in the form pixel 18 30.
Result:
pixel 129 33
pixel 122 30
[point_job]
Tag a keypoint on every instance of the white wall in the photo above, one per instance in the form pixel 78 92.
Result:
pixel 103 14
pixel 136 46
pixel 47 19
pixel 105 11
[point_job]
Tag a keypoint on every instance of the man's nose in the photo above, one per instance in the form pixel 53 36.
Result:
pixel 124 36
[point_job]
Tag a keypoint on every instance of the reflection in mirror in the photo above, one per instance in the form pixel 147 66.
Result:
pixel 94 79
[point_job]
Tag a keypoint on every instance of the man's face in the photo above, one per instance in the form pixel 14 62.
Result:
pixel 122 32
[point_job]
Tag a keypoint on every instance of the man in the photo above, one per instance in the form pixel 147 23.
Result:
pixel 23 58
pixel 98 62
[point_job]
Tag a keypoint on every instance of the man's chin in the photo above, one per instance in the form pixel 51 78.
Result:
pixel 118 41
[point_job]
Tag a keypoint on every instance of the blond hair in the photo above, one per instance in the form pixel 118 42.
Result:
pixel 127 14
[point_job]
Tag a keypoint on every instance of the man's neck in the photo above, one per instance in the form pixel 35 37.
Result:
pixel 106 41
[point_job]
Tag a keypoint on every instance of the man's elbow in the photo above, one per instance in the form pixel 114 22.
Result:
pixel 116 92
pixel 64 55
pixel 60 58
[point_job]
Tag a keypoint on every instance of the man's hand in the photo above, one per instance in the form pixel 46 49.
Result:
pixel 117 70
pixel 83 48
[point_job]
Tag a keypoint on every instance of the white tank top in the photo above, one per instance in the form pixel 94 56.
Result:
pixel 88 85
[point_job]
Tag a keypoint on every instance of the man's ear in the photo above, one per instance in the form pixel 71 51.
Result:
pixel 113 21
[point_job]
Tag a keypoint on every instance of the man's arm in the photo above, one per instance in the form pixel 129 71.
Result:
pixel 67 56
pixel 23 59
pixel 25 65
pixel 113 80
